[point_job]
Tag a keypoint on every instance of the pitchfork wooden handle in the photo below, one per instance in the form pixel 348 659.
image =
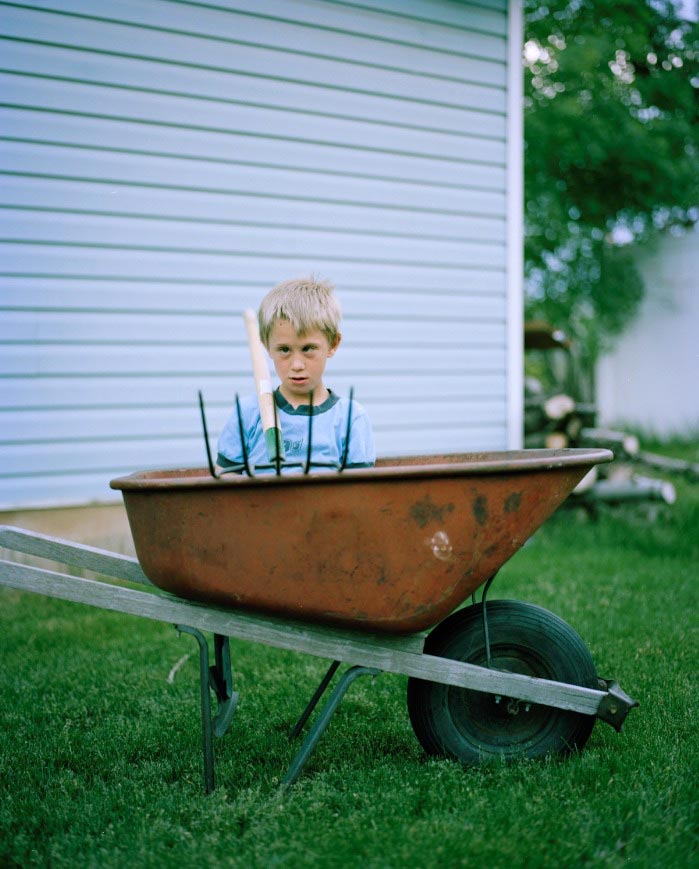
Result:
pixel 263 386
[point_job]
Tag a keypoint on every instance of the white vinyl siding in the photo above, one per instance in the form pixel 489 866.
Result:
pixel 164 163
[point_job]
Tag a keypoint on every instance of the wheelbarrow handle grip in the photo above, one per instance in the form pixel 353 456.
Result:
pixel 263 386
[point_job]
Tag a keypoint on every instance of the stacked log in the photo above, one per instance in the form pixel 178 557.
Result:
pixel 690 470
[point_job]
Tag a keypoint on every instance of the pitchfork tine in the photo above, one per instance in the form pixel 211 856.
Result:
pixel 345 453
pixel 212 469
pixel 242 437
pixel 310 433
pixel 277 436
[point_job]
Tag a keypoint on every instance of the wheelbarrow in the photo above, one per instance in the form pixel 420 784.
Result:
pixel 370 567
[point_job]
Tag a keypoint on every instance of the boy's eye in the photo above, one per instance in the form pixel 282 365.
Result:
pixel 310 348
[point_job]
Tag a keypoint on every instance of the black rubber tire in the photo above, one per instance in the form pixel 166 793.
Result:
pixel 472 726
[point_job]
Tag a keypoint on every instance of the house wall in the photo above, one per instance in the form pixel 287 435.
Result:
pixel 650 380
pixel 165 163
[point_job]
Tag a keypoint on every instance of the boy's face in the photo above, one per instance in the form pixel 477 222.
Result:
pixel 299 361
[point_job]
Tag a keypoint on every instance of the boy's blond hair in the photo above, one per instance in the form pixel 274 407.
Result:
pixel 306 303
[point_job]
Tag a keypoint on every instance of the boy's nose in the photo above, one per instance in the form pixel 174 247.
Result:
pixel 297 363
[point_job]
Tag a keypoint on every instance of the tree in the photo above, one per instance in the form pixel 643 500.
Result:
pixel 611 153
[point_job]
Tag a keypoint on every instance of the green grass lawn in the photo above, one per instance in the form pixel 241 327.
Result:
pixel 100 757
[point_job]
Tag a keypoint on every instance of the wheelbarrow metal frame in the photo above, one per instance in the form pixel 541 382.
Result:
pixel 366 652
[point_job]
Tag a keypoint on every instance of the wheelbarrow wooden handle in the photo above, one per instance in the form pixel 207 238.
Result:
pixel 263 386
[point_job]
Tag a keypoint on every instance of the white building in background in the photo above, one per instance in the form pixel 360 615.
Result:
pixel 165 163
pixel 651 379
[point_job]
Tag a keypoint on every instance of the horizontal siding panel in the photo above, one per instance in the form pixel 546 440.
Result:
pixel 230 300
pixel 47 427
pixel 61 392
pixel 485 305
pixel 91 456
pixel 63 359
pixel 190 330
pixel 139 234
pixel 168 78
pixel 230 27
pixel 56 490
pixel 209 209
pixel 471 16
pixel 159 108
pixel 54 259
pixel 228 148
pixel 269 182
pixel 77 426
pixel 433 440
pixel 254 61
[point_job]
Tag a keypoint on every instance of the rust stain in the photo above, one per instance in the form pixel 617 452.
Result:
pixel 426 510
pixel 382 579
pixel 513 501
pixel 480 509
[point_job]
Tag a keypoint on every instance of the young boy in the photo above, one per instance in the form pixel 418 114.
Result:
pixel 299 325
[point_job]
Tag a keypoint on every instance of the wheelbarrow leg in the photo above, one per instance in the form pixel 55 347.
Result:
pixel 323 720
pixel 313 702
pixel 219 678
pixel 221 681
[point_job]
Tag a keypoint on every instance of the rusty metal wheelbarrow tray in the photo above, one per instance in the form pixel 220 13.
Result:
pixel 393 548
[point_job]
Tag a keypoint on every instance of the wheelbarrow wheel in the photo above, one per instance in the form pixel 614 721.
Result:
pixel 474 727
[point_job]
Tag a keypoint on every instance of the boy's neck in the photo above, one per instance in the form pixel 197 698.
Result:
pixel 320 394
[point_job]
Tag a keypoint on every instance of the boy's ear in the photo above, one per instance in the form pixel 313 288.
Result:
pixel 334 347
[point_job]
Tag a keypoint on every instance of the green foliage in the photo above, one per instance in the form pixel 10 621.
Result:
pixel 611 146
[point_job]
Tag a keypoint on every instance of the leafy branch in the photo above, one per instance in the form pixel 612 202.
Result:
pixel 611 154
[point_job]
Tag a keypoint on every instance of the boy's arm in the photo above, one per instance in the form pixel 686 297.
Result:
pixel 224 464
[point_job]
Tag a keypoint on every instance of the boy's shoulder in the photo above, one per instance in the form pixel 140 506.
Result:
pixel 357 407
pixel 341 406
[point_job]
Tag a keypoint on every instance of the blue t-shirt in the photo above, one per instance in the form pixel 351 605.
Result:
pixel 327 436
